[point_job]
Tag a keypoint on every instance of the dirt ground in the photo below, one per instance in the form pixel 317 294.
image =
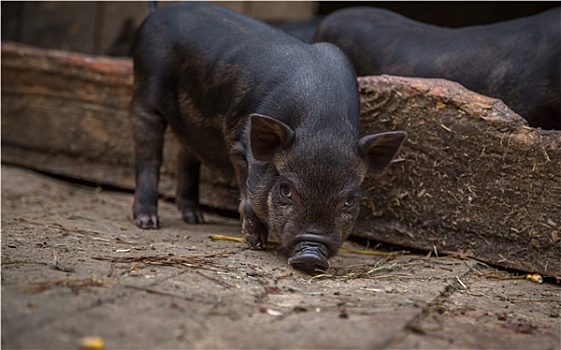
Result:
pixel 74 266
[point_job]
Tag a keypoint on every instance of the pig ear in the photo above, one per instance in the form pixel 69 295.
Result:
pixel 378 150
pixel 267 136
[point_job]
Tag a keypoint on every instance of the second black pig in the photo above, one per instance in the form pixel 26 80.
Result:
pixel 279 114
pixel 517 61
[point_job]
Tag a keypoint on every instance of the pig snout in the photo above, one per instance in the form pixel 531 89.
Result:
pixel 310 256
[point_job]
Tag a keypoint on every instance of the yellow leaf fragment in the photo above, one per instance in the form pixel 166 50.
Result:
pixel 92 343
pixel 226 238
pixel 534 277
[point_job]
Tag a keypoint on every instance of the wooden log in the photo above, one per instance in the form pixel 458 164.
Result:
pixel 472 178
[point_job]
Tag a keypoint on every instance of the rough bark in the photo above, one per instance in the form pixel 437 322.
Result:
pixel 472 178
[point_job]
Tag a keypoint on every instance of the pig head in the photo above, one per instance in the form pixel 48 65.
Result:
pixel 304 186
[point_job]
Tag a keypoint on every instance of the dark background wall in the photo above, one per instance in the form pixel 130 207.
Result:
pixel 93 27
pixel 451 13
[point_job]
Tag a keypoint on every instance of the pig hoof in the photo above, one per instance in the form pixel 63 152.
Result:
pixel 190 211
pixel 253 241
pixel 309 264
pixel 255 233
pixel 146 221
pixel 192 217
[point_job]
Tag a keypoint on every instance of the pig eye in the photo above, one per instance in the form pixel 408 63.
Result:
pixel 350 203
pixel 285 192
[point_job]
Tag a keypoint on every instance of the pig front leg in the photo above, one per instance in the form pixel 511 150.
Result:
pixel 187 198
pixel 148 129
pixel 254 230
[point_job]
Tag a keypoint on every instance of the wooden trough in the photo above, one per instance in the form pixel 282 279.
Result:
pixel 472 178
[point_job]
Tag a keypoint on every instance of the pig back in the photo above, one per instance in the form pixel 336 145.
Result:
pixel 207 68
pixel 516 61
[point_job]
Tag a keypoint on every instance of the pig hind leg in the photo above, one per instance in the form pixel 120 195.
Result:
pixel 148 134
pixel 187 198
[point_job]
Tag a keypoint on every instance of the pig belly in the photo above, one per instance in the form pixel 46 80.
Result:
pixel 207 145
pixel 201 135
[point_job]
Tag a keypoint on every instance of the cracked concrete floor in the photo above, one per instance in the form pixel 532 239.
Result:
pixel 74 265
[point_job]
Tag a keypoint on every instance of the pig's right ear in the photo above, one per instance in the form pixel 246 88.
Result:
pixel 267 136
pixel 378 150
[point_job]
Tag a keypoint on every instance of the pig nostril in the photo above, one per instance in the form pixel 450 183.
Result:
pixel 312 241
pixel 310 256
pixel 310 264
pixel 312 249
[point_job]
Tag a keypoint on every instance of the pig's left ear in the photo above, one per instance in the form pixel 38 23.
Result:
pixel 267 135
pixel 378 150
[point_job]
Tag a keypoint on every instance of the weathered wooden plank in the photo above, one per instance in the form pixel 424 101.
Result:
pixel 58 106
pixel 472 177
